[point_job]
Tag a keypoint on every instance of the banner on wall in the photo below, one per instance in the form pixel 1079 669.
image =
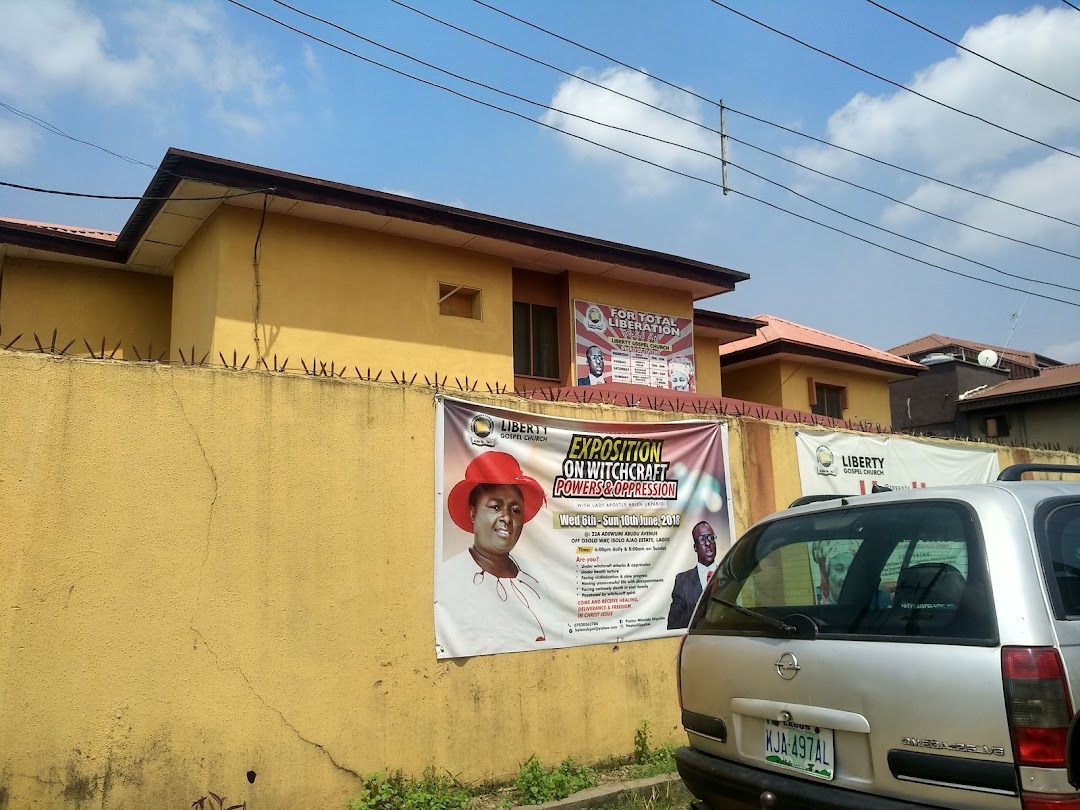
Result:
pixel 615 344
pixel 555 533
pixel 850 464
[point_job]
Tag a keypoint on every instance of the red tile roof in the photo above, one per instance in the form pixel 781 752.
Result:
pixel 783 334
pixel 1047 380
pixel 92 233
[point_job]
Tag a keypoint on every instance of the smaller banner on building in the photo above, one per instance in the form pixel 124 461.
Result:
pixel 851 464
pixel 559 533
pixel 615 344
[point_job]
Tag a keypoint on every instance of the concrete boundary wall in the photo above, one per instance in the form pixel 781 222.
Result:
pixel 221 580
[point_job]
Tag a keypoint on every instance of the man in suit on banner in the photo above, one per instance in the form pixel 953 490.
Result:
pixel 689 584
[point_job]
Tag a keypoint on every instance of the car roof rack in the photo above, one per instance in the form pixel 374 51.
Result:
pixel 805 499
pixel 1016 472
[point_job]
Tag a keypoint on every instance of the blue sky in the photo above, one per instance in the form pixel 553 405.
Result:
pixel 140 76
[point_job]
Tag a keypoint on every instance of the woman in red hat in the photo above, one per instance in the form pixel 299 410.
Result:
pixel 485 602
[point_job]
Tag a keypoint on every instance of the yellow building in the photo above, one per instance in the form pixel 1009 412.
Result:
pixel 792 366
pixel 222 257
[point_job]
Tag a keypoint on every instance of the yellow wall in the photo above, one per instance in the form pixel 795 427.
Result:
pixel 784 383
pixel 867 395
pixel 707 366
pixel 358 298
pixel 84 303
pixel 207 573
pixel 196 269
pixel 757 383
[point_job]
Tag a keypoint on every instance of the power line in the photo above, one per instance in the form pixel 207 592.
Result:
pixel 973 53
pixel 896 233
pixel 1070 5
pixel 649 105
pixel 139 198
pixel 673 143
pixel 898 252
pixel 896 84
pixel 898 201
pixel 41 122
pixel 712 183
pixel 766 121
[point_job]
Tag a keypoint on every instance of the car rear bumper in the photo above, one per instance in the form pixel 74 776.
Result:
pixel 731 786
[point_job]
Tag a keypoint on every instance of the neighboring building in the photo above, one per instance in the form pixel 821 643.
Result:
pixel 928 403
pixel 316 272
pixel 1018 364
pixel 793 366
pixel 1031 412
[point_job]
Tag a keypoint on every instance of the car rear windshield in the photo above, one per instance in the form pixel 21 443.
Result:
pixel 914 570
pixel 1057 526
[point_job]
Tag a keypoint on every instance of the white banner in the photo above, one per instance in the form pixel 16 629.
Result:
pixel 851 464
pixel 556 532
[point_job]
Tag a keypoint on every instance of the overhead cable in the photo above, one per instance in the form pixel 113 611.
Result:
pixel 672 143
pixel 752 116
pixel 976 54
pixel 57 131
pixel 645 161
pixel 898 252
pixel 1070 5
pixel 898 201
pixel 896 84
pixel 37 190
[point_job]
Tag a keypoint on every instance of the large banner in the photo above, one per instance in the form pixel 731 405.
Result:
pixel 556 533
pixel 850 464
pixel 615 344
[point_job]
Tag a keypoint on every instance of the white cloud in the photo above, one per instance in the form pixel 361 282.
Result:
pixel 1048 185
pixel 311 61
pixel 1065 352
pixel 156 48
pixel 56 45
pixel 16 142
pixel 1039 43
pixel 578 97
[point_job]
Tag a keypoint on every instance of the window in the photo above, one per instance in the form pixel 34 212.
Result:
pixel 996 427
pixel 897 571
pixel 536 340
pixel 827 400
pixel 461 302
pixel 1057 527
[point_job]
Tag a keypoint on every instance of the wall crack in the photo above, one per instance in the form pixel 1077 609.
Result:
pixel 210 512
pixel 278 712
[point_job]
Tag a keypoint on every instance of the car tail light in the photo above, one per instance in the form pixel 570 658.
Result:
pixel 1047 801
pixel 1039 710
pixel 678 669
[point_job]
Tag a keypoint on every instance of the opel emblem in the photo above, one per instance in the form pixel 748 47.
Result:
pixel 787 666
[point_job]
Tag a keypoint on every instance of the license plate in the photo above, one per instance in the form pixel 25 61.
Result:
pixel 808 749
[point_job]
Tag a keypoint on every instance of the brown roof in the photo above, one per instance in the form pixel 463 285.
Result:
pixel 935 342
pixel 722 326
pixel 72 230
pixel 188 187
pixel 1057 382
pixel 780 336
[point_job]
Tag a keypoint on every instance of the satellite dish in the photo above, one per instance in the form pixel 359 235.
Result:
pixel 988 358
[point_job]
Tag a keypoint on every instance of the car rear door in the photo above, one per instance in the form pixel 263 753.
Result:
pixel 887 679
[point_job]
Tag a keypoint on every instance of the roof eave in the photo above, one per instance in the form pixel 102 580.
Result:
pixel 776 348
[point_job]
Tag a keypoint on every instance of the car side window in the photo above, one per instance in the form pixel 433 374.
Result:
pixel 1059 531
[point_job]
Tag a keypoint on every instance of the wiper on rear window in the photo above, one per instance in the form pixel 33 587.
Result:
pixel 761 617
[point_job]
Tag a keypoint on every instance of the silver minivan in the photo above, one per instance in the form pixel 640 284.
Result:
pixel 902 650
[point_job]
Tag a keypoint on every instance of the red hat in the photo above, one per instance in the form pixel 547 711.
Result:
pixel 496 468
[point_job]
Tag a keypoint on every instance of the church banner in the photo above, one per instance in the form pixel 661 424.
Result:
pixel 851 464
pixel 554 532
pixel 616 344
